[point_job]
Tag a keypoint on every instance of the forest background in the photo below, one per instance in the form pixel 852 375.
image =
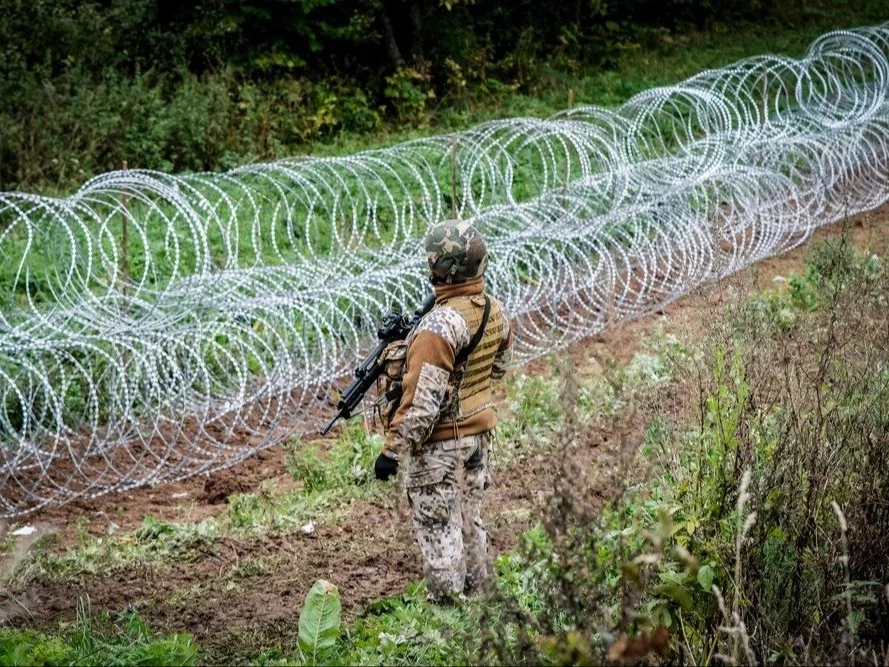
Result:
pixel 88 85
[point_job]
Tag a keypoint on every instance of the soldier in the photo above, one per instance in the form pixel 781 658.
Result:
pixel 444 423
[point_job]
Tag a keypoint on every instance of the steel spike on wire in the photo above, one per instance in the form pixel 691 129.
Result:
pixel 155 327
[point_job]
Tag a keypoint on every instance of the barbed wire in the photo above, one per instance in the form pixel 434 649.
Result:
pixel 154 327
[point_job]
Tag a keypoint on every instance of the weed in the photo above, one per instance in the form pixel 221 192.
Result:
pixel 348 462
pixel 662 557
pixel 729 551
pixel 533 411
pixel 331 481
pixel 94 640
pixel 153 541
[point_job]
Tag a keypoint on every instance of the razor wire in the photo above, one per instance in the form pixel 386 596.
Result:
pixel 155 327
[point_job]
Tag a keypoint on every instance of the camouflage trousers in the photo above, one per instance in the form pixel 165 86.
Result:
pixel 446 483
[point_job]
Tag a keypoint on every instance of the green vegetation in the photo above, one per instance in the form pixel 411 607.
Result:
pixel 409 630
pixel 71 107
pixel 319 622
pixel 97 640
pixel 742 515
pixel 85 87
pixel 348 463
pixel 754 521
pixel 760 522
pixel 154 541
pixel 738 512
pixel 328 482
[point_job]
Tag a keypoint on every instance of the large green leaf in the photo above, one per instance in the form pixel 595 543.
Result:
pixel 319 622
pixel 676 592
pixel 706 575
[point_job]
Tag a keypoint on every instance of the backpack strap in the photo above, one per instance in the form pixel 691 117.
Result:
pixel 463 357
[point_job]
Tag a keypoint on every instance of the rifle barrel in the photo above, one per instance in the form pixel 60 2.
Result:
pixel 329 425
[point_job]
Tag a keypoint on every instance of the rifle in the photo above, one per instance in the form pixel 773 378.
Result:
pixel 395 326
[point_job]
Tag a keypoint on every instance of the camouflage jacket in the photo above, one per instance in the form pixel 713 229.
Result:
pixel 430 372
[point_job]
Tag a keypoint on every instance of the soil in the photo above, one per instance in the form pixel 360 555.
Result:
pixel 238 589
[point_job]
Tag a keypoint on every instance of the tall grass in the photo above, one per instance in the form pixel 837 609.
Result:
pixel 755 530
pixel 97 640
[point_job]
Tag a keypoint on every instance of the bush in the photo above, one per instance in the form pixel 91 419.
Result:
pixel 85 86
pixel 180 122
pixel 760 533
pixel 348 462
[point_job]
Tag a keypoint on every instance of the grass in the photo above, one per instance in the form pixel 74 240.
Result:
pixel 408 630
pixel 97 640
pixel 706 559
pixel 665 60
pixel 153 542
pixel 329 477
pixel 328 483
pixel 759 521
pixel 533 416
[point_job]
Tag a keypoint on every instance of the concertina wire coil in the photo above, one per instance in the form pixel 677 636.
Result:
pixel 155 327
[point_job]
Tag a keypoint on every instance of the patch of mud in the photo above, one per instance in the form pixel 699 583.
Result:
pixel 192 500
pixel 236 585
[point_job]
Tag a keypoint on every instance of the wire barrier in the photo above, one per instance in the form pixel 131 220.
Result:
pixel 154 327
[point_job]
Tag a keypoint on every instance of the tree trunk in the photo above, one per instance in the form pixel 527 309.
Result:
pixel 417 58
pixel 389 37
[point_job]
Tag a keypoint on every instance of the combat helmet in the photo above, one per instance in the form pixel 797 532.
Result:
pixel 456 252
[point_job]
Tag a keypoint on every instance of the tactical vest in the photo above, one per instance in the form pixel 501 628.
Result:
pixel 470 386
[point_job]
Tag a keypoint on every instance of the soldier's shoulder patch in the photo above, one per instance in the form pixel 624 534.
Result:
pixel 447 323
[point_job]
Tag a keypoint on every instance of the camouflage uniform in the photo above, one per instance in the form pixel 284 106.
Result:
pixel 445 484
pixel 445 422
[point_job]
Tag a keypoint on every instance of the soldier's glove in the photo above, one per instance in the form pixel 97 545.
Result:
pixel 385 467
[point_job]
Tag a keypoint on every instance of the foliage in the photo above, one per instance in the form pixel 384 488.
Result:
pixel 753 530
pixel 347 461
pixel 97 641
pixel 760 536
pixel 153 541
pixel 329 483
pixel 87 86
pixel 319 622
pixel 533 411
pixel 409 630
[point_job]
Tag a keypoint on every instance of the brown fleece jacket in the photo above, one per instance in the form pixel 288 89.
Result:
pixel 432 348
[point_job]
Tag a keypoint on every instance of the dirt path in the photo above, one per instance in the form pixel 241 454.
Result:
pixel 241 586
pixel 234 592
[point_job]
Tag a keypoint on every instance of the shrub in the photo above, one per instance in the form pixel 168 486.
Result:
pixel 759 534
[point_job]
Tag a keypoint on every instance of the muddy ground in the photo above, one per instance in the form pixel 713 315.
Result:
pixel 368 554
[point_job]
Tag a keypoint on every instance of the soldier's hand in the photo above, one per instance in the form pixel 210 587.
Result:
pixel 385 467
